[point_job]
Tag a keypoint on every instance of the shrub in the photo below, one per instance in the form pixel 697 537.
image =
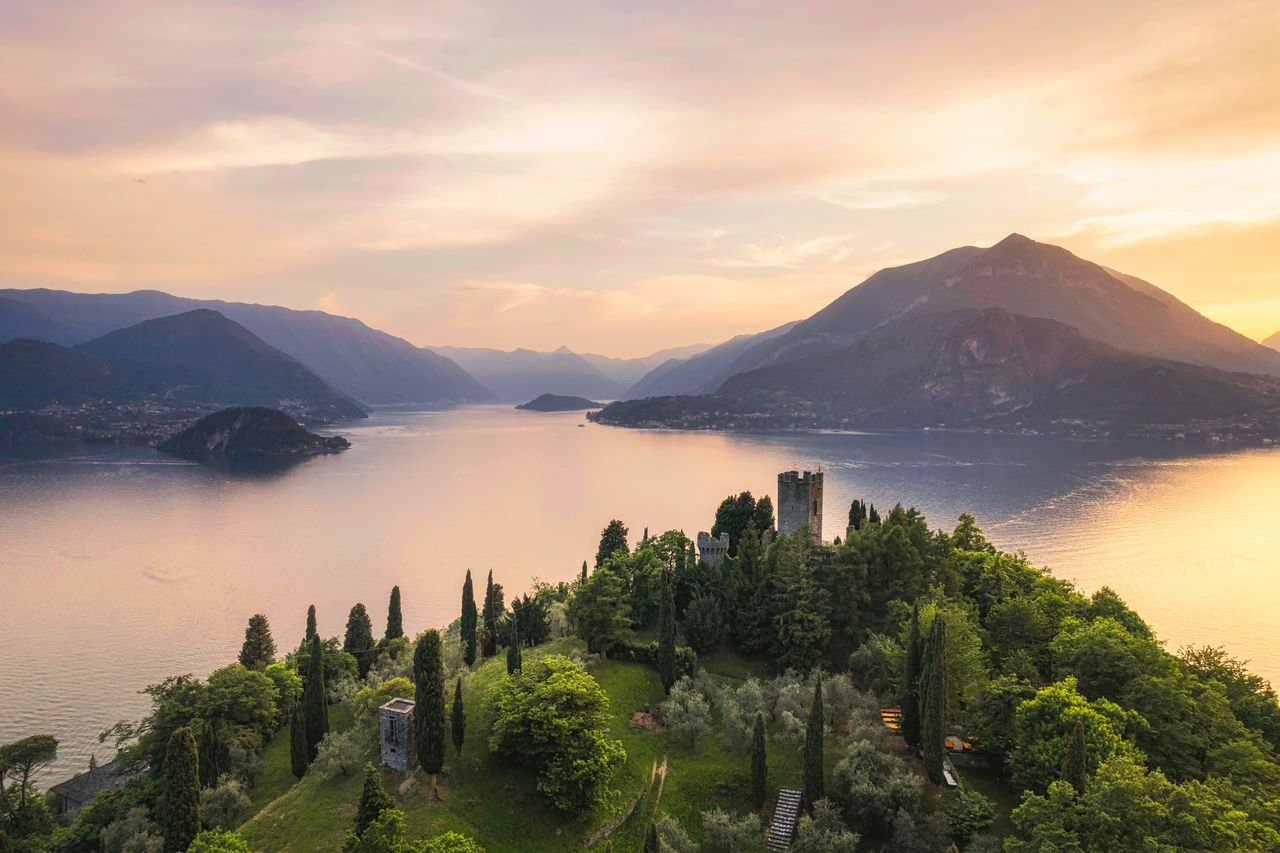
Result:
pixel 686 713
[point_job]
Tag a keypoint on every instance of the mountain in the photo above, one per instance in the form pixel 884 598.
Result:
pixel 35 374
pixel 249 434
pixel 203 357
pixel 700 373
pixel 987 368
pixel 520 374
pixel 363 363
pixel 628 371
pixel 1273 341
pixel 1023 277
pixel 558 403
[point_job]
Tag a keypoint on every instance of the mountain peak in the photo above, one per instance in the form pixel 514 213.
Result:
pixel 1015 239
pixel 564 350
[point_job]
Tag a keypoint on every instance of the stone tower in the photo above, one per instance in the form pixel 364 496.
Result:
pixel 800 502
pixel 395 734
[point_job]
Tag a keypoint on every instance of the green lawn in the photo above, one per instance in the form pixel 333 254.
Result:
pixel 495 801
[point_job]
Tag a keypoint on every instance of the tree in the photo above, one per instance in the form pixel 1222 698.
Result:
pixel 703 627
pixel 759 764
pixel 800 605
pixel 824 831
pixel 468 621
pixel 374 799
pixel 933 698
pixel 219 841
pixel 686 714
pixel 762 518
pixel 428 710
pixel 315 704
pixel 598 610
pixel 667 635
pixel 225 805
pixel 299 759
pixel 651 839
pixel 583 579
pixel 747 594
pixel 857 514
pixel 1075 761
pixel 813 748
pixel 489 638
pixel 178 807
pixel 612 539
pixel 873 785
pixel 358 641
pixel 911 682
pixel 312 633
pixel 514 659
pixel 24 759
pixel 259 648
pixel 395 619
pixel 459 718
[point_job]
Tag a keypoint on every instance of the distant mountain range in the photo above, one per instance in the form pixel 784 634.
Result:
pixel 197 359
pixel 1273 341
pixel 1020 334
pixel 363 363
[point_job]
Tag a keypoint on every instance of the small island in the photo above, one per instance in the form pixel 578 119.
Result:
pixel 249 434
pixel 559 403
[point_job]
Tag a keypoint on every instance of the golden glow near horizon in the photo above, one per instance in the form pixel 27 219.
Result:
pixel 621 177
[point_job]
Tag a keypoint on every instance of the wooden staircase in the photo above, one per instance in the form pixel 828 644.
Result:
pixel 783 825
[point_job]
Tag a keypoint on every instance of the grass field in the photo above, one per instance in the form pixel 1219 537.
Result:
pixel 495 801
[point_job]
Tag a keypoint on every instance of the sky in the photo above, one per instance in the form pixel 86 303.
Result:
pixel 621 176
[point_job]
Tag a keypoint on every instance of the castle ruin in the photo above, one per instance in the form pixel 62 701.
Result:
pixel 395 734
pixel 800 502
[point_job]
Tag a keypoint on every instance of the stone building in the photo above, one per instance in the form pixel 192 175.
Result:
pixel 800 502
pixel 712 550
pixel 395 734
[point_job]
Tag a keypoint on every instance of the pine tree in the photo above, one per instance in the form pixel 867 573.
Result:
pixel 259 647
pixel 314 702
pixel 814 732
pixel 459 718
pixel 428 710
pixel 1075 762
pixel 311 625
pixel 374 799
pixel 933 695
pixel 490 637
pixel 358 641
pixel 651 839
pixel 298 759
pixel 395 620
pixel 468 621
pixel 746 593
pixel 178 807
pixel 667 634
pixel 612 539
pixel 911 683
pixel 759 765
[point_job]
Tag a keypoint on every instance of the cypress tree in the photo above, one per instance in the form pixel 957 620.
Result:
pixel 584 571
pixel 759 766
pixel 374 799
pixel 651 839
pixel 490 638
pixel 358 641
pixel 1075 762
pixel 933 696
pixel 612 539
pixel 311 625
pixel 428 710
pixel 515 662
pixel 459 718
pixel 667 634
pixel 468 621
pixel 813 748
pixel 911 683
pixel 298 741
pixel 314 702
pixel 259 647
pixel 178 806
pixel 395 620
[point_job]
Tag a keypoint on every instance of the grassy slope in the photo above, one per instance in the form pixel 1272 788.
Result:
pixel 496 802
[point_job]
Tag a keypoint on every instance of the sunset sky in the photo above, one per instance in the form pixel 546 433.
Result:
pixel 625 176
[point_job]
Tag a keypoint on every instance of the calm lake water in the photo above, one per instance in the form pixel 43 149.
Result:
pixel 121 566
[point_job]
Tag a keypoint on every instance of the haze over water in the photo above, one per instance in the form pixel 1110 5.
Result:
pixel 121 566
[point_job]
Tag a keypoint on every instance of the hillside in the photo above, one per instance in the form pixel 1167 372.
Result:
pixel 973 368
pixel 628 371
pixel 249 434
pixel 1273 341
pixel 517 375
pixel 558 403
pixel 701 373
pixel 203 357
pixel 363 363
pixel 35 374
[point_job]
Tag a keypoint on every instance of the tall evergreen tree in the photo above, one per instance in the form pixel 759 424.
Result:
pixel 763 516
pixel 747 595
pixel 584 571
pixel 814 732
pixel 259 647
pixel 651 839
pixel 428 710
pixel 911 682
pixel 515 661
pixel 395 620
pixel 873 516
pixel 178 806
pixel 1075 762
pixel 759 764
pixel 311 625
pixel 315 705
pixel 298 760
pixel 358 641
pixel 490 615
pixel 459 718
pixel 468 621
pixel 667 634
pixel 933 698
pixel 612 539
pixel 374 799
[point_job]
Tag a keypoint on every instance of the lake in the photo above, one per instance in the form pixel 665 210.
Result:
pixel 120 566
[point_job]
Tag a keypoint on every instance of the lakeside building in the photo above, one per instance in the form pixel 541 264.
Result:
pixel 800 502
pixel 712 550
